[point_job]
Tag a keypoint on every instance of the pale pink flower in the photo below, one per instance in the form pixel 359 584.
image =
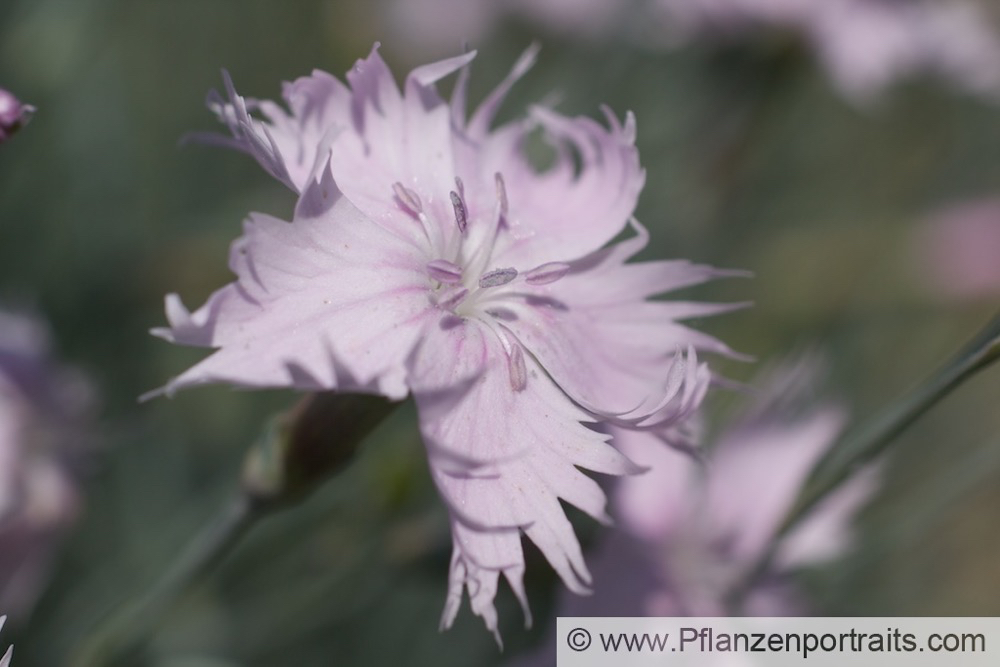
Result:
pixel 865 45
pixel 957 251
pixel 427 256
pixel 704 527
pixel 690 528
pixel 14 114
pixel 709 521
pixel 42 437
pixel 5 660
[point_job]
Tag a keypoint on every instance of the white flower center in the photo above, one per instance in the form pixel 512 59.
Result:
pixel 463 283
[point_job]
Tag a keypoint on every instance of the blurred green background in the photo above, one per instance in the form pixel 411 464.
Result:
pixel 753 161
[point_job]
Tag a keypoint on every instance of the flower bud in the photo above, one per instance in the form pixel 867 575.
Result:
pixel 309 444
pixel 13 114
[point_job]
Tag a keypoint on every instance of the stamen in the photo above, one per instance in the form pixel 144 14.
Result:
pixel 408 197
pixel 516 368
pixel 461 213
pixel 501 193
pixel 497 277
pixel 546 273
pixel 444 271
pixel 460 186
pixel 452 299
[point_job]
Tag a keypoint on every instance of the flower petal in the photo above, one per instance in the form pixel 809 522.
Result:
pixel 502 459
pixel 482 118
pixel 747 466
pixel 826 533
pixel 331 290
pixel 577 205
pixel 654 505
pixel 286 144
pixel 478 559
pixel 5 660
pixel 319 107
pixel 400 138
pixel 601 341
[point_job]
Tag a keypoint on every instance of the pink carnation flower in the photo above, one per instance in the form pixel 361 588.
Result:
pixel 13 114
pixel 865 45
pixel 709 523
pixel 427 256
pixel 689 530
pixel 43 436
pixel 706 527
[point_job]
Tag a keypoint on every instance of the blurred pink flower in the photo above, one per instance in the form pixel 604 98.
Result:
pixel 422 23
pixel 708 525
pixel 13 114
pixel 689 530
pixel 428 256
pixel 957 251
pixel 865 45
pixel 5 660
pixel 43 411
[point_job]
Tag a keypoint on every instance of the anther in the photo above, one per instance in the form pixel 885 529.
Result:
pixel 408 197
pixel 516 368
pixel 546 273
pixel 444 271
pixel 461 214
pixel 501 193
pixel 497 277
pixel 460 187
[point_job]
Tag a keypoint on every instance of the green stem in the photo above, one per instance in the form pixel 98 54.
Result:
pixel 864 444
pixel 297 453
pixel 207 548
pixel 124 631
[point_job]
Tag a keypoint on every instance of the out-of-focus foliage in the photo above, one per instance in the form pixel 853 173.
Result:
pixel 753 161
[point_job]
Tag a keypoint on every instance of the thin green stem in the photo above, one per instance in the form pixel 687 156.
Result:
pixel 296 454
pixel 125 630
pixel 864 444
